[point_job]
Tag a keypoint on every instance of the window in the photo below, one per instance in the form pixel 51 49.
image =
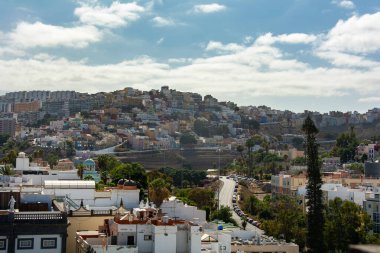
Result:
pixel 25 243
pixel 48 243
pixel 3 244
pixel 147 237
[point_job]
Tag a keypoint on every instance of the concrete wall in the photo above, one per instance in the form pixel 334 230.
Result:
pixel 145 246
pixel 82 223
pixel 164 239
pixel 194 244
pixel 266 248
pixel 177 209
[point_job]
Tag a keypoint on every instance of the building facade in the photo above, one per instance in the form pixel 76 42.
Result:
pixel 43 232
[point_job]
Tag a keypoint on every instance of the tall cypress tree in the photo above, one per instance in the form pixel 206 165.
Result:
pixel 314 193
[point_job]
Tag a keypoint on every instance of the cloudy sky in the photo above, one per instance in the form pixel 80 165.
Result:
pixel 288 54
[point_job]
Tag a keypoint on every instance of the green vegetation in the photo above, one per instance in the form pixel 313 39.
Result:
pixel 9 158
pixel 358 167
pixel 315 219
pixel 283 218
pixel 3 138
pixel 80 169
pixel 133 171
pixel 345 146
pixel 183 178
pixel 345 223
pixel 52 160
pixel 7 170
pixel 105 164
pixel 16 144
pixel 224 214
pixel 158 191
pixel 299 161
pixel 187 139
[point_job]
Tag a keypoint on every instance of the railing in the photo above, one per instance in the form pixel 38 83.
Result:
pixel 69 201
pixel 101 212
pixel 39 217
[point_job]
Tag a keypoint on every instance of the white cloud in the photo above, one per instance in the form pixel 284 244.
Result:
pixel 11 51
pixel 160 41
pixel 118 14
pixel 346 4
pixel 292 38
pixel 29 35
pixel 369 100
pixel 240 73
pixel 358 34
pixel 218 46
pixel 248 39
pixel 160 21
pixel 346 60
pixel 256 70
pixel 350 42
pixel 179 60
pixel 208 8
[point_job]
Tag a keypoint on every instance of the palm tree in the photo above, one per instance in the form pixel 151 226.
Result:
pixel 158 191
pixel 80 169
pixel 6 170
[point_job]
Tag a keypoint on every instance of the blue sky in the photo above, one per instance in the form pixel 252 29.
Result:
pixel 288 54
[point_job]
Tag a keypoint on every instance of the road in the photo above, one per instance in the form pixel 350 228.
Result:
pixel 225 197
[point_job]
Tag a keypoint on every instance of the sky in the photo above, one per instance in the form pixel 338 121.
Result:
pixel 320 55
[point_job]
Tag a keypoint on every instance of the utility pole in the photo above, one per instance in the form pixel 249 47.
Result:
pixel 218 177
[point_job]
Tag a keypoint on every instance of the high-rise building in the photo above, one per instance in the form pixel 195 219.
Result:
pixel 8 126
pixel 33 106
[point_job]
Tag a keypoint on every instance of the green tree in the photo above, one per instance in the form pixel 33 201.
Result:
pixel 133 171
pixel 6 170
pixel 88 178
pixel 224 214
pixel 202 197
pixel 288 221
pixel 346 223
pixel 313 190
pixel 52 160
pixel 10 157
pixel 202 127
pixel 187 138
pixel 297 142
pixel 345 146
pixel 80 170
pixel 105 164
pixel 359 167
pixel 3 138
pixel 69 148
pixel 152 175
pixel 299 161
pixel 38 153
pixel 158 191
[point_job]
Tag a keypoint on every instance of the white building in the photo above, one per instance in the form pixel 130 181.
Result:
pixel 176 208
pixel 80 190
pixel 332 191
pixel 37 175
pixel 143 235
